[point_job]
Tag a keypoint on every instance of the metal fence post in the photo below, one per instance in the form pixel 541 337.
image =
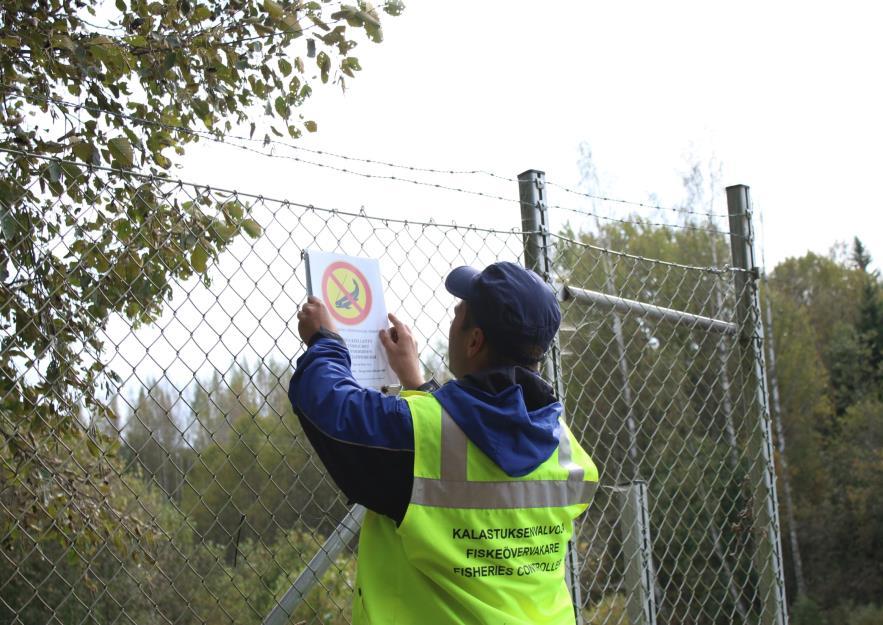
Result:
pixel 637 545
pixel 342 536
pixel 538 257
pixel 538 254
pixel 768 553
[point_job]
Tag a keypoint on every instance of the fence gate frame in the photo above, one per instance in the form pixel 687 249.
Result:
pixel 747 327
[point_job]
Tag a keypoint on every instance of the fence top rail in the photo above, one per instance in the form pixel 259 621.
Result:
pixel 623 305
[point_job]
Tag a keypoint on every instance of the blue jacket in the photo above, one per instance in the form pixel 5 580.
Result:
pixel 366 439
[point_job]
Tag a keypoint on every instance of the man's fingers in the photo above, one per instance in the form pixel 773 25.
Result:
pixel 312 299
pixel 399 328
pixel 385 339
pixel 394 320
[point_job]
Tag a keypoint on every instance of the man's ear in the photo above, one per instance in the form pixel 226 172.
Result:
pixel 476 341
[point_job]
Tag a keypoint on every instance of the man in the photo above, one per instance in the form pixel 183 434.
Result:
pixel 471 488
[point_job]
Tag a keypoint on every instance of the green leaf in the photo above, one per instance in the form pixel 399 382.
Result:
pixel 200 13
pixel 62 41
pixel 262 30
pixel 53 171
pixel 375 33
pixel 223 231
pixel 252 228
pixel 234 209
pixel 368 13
pixel 121 151
pixel 284 67
pixel 274 9
pixel 336 36
pixel 156 8
pixel 281 107
pixel 199 258
pixel 83 151
pixel 94 449
pixel 350 13
pixel 168 63
pixel 138 41
pixel 10 225
pixel 100 261
pixel 324 63
pixel 350 65
pixel 394 7
pixel 310 126
pixel 293 25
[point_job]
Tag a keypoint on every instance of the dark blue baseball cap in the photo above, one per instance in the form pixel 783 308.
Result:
pixel 516 310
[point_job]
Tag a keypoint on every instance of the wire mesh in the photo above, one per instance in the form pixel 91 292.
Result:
pixel 673 406
pixel 153 471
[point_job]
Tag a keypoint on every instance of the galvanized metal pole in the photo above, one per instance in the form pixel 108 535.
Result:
pixel 637 545
pixel 341 537
pixel 725 374
pixel 768 551
pixel 538 254
pixel 538 257
pixel 722 354
pixel 605 301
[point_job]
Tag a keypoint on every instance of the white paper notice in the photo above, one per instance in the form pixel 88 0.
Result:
pixel 352 291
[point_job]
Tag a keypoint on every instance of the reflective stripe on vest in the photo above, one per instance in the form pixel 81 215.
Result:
pixel 453 490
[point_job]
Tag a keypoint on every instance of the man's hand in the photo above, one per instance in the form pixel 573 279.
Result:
pixel 312 317
pixel 401 351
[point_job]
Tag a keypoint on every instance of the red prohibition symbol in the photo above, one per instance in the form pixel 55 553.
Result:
pixel 346 293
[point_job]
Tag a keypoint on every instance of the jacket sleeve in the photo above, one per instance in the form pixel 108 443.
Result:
pixel 364 438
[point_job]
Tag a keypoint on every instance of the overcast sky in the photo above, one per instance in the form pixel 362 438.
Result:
pixel 786 95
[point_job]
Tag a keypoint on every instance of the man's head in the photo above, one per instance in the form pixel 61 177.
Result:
pixel 507 316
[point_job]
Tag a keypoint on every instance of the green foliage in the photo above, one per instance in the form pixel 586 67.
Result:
pixel 79 245
pixel 611 610
pixel 825 327
pixel 870 318
pixel 826 288
pixel 175 578
pixel 228 512
pixel 805 611
pixel 869 614
pixel 849 365
pixel 246 593
pixel 232 456
pixel 805 398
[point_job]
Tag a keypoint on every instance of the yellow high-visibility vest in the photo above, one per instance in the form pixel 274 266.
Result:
pixel 475 545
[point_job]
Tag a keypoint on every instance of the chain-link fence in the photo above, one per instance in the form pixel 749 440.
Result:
pixel 153 471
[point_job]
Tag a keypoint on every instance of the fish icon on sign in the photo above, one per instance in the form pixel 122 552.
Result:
pixel 346 292
pixel 347 300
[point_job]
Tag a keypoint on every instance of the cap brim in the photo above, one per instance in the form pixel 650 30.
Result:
pixel 460 282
